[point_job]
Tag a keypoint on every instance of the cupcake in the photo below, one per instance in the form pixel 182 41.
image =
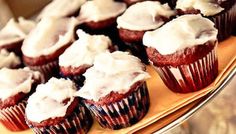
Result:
pixel 100 14
pixel 139 18
pixel 220 12
pixel 47 42
pixel 115 90
pixel 61 8
pixel 9 59
pixel 54 109
pixel 14 93
pixel 13 34
pixel 80 55
pixel 183 51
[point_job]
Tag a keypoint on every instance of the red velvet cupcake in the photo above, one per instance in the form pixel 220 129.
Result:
pixel 54 109
pixel 9 59
pixel 47 42
pixel 183 51
pixel 139 18
pixel 61 8
pixel 80 55
pixel 115 90
pixel 13 34
pixel 14 93
pixel 221 12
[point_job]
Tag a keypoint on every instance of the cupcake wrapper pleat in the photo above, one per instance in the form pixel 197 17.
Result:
pixel 225 23
pixel 123 113
pixel 13 118
pixel 79 122
pixel 233 11
pixel 48 70
pixel 191 77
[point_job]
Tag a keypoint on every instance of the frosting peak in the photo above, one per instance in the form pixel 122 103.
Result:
pixel 180 33
pixel 50 35
pixel 47 101
pixel 84 50
pixel 117 73
pixel 144 16
pixel 206 7
pixel 98 10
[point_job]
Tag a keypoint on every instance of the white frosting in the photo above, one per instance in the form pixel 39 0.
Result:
pixel 8 59
pixel 116 72
pixel 206 7
pixel 14 81
pixel 61 8
pixel 49 35
pixel 98 10
pixel 180 33
pixel 47 101
pixel 84 50
pixel 142 16
pixel 15 31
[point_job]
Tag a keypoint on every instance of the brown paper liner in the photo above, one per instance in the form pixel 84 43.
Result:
pixel 191 77
pixel 79 122
pixel 48 70
pixel 13 117
pixel 123 113
pixel 225 23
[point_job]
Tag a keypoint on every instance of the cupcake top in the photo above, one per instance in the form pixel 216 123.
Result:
pixel 84 50
pixel 8 59
pixel 49 100
pixel 112 72
pixel 15 31
pixel 61 8
pixel 99 10
pixel 145 15
pixel 206 7
pixel 11 84
pixel 50 34
pixel 180 33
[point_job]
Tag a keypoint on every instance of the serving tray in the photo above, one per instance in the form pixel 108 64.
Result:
pixel 168 109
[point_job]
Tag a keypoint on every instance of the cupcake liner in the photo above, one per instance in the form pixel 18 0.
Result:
pixel 78 79
pixel 191 77
pixel 79 122
pixel 13 117
pixel 123 113
pixel 225 23
pixel 138 50
pixel 48 70
pixel 233 10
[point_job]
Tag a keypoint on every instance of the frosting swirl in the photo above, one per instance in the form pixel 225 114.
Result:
pixel 50 35
pixel 8 59
pixel 144 16
pixel 180 33
pixel 98 10
pixel 47 101
pixel 206 7
pixel 84 50
pixel 117 73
